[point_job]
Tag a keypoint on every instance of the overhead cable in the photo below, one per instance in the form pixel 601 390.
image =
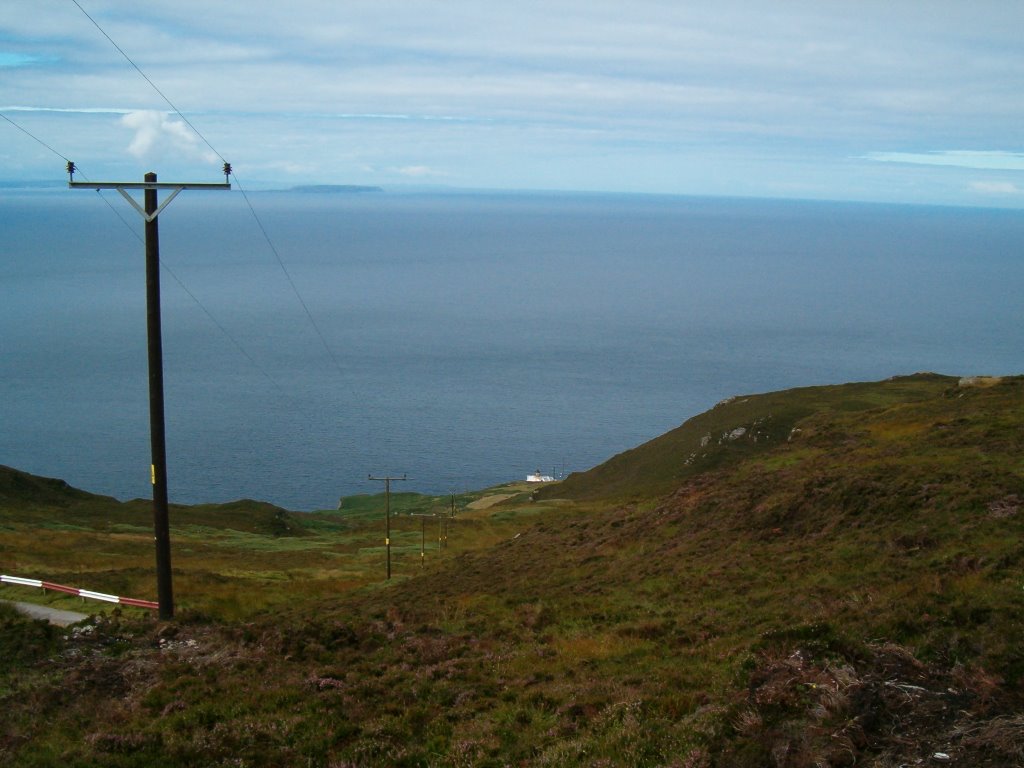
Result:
pixel 73 168
pixel 238 184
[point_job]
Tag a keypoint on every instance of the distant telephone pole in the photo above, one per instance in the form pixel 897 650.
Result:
pixel 387 512
pixel 442 533
pixel 158 449
pixel 423 537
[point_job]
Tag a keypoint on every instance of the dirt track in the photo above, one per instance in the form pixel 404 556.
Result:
pixel 52 615
pixel 489 501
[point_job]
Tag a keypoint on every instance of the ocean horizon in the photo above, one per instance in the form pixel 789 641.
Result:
pixel 464 339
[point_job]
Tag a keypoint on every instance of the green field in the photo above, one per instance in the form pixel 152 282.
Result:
pixel 235 560
pixel 830 576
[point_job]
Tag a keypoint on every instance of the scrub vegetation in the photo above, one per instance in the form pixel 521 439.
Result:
pixel 829 576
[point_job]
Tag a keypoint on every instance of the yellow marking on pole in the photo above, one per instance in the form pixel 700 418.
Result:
pixel 387 542
pixel 152 474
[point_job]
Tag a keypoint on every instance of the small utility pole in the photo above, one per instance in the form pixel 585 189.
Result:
pixel 423 538
pixel 158 448
pixel 387 512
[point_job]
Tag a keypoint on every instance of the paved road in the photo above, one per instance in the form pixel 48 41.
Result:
pixel 52 615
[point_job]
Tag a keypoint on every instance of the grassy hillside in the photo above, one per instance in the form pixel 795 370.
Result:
pixel 232 560
pixel 46 501
pixel 846 590
pixel 737 428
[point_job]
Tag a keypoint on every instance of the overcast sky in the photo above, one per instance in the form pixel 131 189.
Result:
pixel 909 101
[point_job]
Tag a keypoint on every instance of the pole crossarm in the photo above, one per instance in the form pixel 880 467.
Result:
pixel 146 185
pixel 122 186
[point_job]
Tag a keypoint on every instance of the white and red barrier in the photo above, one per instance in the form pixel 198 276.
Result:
pixel 83 593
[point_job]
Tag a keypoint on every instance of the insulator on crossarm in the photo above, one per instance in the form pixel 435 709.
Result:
pixel 71 169
pixel 227 171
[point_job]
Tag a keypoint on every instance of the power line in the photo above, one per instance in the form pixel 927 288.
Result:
pixel 238 184
pixel 163 264
pixel 146 78
pixel 198 303
pixel 287 274
pixel 245 196
pixel 77 170
pixel 34 138
pixel 222 329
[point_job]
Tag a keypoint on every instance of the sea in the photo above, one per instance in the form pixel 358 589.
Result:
pixel 461 339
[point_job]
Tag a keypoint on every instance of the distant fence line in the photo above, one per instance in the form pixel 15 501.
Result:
pixel 84 593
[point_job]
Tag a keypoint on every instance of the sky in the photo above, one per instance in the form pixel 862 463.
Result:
pixel 891 101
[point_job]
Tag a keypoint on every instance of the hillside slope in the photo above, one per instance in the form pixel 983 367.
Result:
pixel 734 429
pixel 40 500
pixel 22 488
pixel 845 594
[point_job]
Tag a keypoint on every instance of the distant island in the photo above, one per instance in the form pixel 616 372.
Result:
pixel 335 188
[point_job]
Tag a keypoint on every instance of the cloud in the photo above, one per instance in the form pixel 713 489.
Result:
pixel 69 110
pixel 286 167
pixel 995 188
pixel 989 160
pixel 517 95
pixel 418 171
pixel 157 134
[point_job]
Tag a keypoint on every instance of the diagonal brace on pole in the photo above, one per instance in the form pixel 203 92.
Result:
pixel 149 217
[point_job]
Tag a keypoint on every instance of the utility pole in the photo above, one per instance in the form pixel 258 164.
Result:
pixel 157 440
pixel 387 512
pixel 423 538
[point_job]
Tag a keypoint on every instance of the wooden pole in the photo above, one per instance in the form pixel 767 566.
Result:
pixel 387 514
pixel 157 439
pixel 158 451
